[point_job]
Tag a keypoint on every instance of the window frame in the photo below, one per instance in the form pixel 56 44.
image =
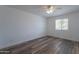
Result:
pixel 61 25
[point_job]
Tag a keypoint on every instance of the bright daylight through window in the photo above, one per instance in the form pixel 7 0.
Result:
pixel 61 24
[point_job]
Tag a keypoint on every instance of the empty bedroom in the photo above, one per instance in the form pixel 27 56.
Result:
pixel 39 29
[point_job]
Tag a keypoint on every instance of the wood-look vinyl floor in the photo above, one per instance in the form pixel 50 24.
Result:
pixel 48 45
pixel 61 46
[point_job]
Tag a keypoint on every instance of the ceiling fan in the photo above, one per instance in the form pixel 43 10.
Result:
pixel 49 9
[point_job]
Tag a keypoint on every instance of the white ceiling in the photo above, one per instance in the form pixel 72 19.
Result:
pixel 37 9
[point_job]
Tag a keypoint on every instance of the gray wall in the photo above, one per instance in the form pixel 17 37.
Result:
pixel 17 26
pixel 72 33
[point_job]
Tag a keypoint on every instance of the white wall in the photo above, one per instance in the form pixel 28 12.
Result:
pixel 17 26
pixel 72 33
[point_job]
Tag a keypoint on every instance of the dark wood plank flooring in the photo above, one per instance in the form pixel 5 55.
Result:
pixel 46 45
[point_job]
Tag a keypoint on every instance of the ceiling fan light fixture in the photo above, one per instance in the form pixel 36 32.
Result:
pixel 49 9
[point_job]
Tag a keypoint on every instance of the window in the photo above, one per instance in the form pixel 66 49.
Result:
pixel 61 24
